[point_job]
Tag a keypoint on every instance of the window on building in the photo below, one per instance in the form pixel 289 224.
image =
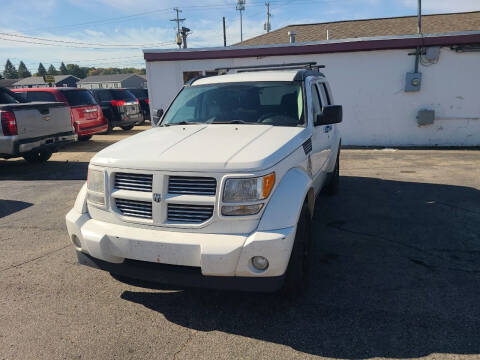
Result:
pixel 189 75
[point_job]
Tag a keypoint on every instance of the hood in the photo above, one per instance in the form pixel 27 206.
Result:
pixel 221 147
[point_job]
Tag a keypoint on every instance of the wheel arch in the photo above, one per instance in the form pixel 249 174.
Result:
pixel 286 204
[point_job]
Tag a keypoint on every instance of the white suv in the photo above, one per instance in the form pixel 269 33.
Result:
pixel 221 191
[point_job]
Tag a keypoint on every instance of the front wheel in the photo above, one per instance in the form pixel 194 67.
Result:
pixel 126 128
pixel 38 156
pixel 298 272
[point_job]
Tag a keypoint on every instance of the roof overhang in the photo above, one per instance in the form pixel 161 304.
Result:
pixel 318 47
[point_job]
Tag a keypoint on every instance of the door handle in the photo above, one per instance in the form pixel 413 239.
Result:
pixel 327 128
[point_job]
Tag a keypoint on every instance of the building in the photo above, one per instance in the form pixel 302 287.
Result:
pixel 113 81
pixel 370 76
pixel 8 83
pixel 396 26
pixel 38 82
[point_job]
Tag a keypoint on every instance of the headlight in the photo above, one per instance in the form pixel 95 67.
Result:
pixel 96 187
pixel 250 189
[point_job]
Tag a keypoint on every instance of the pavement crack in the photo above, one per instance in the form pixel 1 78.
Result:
pixel 429 252
pixel 36 258
pixel 190 337
pixel 458 207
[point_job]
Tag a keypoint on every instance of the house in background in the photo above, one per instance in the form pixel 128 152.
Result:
pixel 114 81
pixel 8 83
pixel 38 82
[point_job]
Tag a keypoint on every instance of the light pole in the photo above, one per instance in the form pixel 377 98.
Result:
pixel 240 8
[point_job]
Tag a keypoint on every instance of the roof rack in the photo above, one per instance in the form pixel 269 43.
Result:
pixel 302 65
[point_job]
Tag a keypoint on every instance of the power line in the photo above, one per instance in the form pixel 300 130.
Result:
pixel 77 42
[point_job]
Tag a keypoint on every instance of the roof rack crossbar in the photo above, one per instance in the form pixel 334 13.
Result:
pixel 306 65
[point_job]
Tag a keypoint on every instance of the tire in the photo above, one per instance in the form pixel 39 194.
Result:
pixel 334 182
pixel 84 138
pixel 126 128
pixel 38 156
pixel 298 271
pixel 110 126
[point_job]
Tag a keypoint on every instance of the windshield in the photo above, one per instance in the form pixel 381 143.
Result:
pixel 264 103
pixel 139 93
pixel 123 95
pixel 79 97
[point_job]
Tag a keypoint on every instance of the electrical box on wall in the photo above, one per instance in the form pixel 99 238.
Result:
pixel 425 117
pixel 413 82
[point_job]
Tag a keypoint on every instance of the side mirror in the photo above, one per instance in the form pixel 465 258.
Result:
pixel 332 114
pixel 157 116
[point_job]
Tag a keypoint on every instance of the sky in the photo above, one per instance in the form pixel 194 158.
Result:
pixel 112 33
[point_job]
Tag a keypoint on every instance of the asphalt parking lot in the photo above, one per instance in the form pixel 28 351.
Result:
pixel 396 275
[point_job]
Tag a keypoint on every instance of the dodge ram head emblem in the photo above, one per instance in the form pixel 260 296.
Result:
pixel 157 197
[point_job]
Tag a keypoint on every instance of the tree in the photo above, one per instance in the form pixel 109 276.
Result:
pixel 63 69
pixel 51 70
pixel 23 71
pixel 10 72
pixel 41 70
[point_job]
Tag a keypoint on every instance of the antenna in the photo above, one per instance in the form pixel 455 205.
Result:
pixel 240 8
pixel 267 26
pixel 178 21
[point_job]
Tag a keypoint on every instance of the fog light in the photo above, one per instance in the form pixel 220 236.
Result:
pixel 76 242
pixel 260 263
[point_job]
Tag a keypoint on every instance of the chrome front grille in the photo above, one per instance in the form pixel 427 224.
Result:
pixel 135 182
pixel 186 213
pixel 134 208
pixel 190 185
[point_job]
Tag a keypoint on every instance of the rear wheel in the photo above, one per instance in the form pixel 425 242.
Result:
pixel 126 128
pixel 84 138
pixel 298 271
pixel 38 156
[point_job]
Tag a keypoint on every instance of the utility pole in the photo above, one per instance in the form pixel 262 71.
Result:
pixel 240 8
pixel 267 25
pixel 224 33
pixel 185 32
pixel 178 21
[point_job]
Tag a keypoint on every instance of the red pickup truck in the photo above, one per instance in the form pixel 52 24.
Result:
pixel 86 114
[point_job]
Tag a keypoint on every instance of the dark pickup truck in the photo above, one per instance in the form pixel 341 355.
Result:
pixel 33 130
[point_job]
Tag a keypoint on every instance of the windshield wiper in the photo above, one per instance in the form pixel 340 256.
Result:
pixel 184 123
pixel 233 122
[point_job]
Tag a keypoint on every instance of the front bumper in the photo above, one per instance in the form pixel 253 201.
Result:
pixel 180 258
pixel 156 276
pixel 11 146
pixel 85 130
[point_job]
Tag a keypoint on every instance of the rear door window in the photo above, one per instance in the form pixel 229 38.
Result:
pixel 7 97
pixel 40 96
pixel 79 97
